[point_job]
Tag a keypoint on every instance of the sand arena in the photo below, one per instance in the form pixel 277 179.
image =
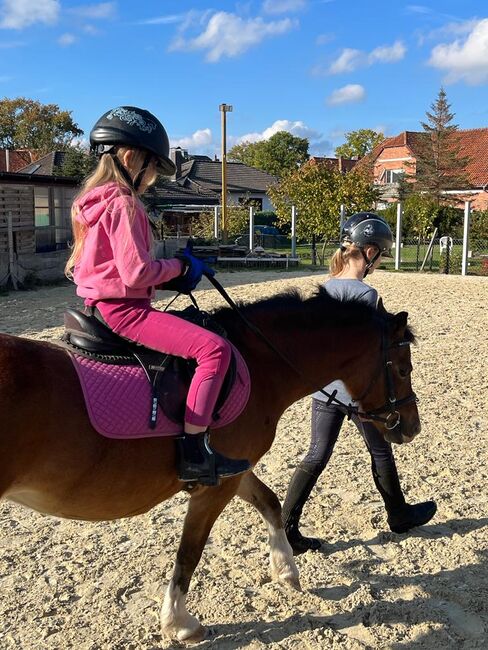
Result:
pixel 90 586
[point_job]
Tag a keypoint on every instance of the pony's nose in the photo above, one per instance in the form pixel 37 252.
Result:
pixel 413 431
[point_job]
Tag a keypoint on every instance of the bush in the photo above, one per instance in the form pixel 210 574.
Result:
pixel 454 260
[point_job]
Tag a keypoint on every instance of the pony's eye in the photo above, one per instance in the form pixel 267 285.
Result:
pixel 404 372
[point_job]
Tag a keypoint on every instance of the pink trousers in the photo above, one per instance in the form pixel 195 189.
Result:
pixel 136 320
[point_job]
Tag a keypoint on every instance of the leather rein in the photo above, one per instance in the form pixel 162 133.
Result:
pixel 391 404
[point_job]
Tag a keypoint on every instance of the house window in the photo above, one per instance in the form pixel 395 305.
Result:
pixel 251 202
pixel 52 208
pixel 392 175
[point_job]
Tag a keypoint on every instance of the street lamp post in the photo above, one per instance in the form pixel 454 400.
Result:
pixel 224 109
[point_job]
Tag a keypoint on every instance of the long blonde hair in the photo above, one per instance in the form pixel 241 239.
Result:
pixel 105 172
pixel 340 259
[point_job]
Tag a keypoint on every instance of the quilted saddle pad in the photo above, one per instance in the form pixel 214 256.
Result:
pixel 118 399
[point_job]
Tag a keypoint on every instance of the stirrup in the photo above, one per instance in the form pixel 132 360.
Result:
pixel 213 465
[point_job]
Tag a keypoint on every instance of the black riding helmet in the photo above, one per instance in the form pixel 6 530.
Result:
pixel 130 126
pixel 368 229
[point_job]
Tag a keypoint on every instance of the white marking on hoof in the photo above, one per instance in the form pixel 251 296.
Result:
pixel 176 621
pixel 283 567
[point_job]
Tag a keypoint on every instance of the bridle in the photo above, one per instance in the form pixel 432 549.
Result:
pixel 391 404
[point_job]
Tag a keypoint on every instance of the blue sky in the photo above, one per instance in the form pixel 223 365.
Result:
pixel 316 68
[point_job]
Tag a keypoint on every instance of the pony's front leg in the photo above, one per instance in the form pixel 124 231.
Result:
pixel 255 492
pixel 204 507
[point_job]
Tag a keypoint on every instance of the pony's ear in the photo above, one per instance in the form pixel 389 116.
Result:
pixel 400 321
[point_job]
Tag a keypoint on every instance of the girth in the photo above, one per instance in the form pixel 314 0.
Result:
pixel 169 376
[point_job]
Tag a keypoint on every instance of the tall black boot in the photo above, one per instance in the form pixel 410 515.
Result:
pixel 401 515
pixel 197 462
pixel 299 490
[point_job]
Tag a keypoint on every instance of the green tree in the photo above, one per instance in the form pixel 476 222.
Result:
pixel 359 143
pixel 479 224
pixel 439 164
pixel 317 191
pixel 280 154
pixel 41 128
pixel 77 163
pixel 237 223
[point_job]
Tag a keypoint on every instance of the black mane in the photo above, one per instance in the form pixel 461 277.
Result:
pixel 292 309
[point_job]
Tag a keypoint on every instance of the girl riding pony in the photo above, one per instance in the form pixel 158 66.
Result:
pixel 115 272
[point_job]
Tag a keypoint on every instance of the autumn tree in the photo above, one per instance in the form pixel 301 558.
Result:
pixel 280 154
pixel 40 128
pixel 439 163
pixel 359 143
pixel 317 191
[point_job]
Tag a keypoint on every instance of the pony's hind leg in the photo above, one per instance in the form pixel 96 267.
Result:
pixel 255 492
pixel 204 507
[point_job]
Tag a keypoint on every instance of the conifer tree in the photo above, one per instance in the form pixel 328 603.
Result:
pixel 439 164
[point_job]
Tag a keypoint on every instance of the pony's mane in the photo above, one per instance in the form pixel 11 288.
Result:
pixel 291 309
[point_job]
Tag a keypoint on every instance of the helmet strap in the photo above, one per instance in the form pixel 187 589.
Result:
pixel 138 179
pixel 123 170
pixel 369 263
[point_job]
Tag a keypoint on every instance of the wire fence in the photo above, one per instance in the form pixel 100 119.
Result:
pixel 443 255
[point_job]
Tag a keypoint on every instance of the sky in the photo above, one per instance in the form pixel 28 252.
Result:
pixel 315 68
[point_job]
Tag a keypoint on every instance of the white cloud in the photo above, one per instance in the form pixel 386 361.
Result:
pixel 97 11
pixel 387 54
pixel 351 59
pixel 350 94
pixel 297 128
pixel 348 61
pixel 417 9
pixel 67 39
pixel 198 139
pixel 464 60
pixel 230 35
pixel 283 6
pixel 163 20
pixel 17 14
pixel 323 39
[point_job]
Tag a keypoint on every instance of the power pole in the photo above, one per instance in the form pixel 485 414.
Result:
pixel 224 109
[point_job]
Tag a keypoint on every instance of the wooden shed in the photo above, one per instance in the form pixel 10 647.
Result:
pixel 35 228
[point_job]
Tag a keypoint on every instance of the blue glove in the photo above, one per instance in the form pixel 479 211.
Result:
pixel 194 269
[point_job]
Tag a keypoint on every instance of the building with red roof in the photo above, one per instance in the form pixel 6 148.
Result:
pixel 396 156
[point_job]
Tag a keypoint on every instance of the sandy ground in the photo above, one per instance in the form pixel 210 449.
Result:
pixel 90 586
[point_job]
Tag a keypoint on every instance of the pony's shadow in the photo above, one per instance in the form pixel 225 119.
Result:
pixel 232 636
pixel 446 529
pixel 240 635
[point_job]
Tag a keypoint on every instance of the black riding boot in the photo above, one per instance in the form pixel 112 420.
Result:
pixel 401 515
pixel 301 485
pixel 197 462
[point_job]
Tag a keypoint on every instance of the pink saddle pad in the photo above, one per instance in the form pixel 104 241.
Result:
pixel 118 399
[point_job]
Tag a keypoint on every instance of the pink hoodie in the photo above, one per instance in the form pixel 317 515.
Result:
pixel 116 261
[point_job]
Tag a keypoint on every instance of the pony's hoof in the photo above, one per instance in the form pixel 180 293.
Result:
pixel 293 582
pixel 192 636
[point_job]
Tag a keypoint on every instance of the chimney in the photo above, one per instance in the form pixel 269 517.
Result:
pixel 340 163
pixel 7 160
pixel 177 155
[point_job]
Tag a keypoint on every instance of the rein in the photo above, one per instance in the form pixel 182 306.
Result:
pixel 391 421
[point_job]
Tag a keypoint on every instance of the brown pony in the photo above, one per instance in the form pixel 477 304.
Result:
pixel 53 461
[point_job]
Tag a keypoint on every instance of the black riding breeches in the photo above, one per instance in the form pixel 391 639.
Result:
pixel 326 425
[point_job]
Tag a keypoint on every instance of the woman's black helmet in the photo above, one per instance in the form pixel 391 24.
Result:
pixel 130 126
pixel 368 229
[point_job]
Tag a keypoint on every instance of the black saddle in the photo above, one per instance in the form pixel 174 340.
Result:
pixel 168 375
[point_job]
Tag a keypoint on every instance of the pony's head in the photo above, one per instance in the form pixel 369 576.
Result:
pixel 387 398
